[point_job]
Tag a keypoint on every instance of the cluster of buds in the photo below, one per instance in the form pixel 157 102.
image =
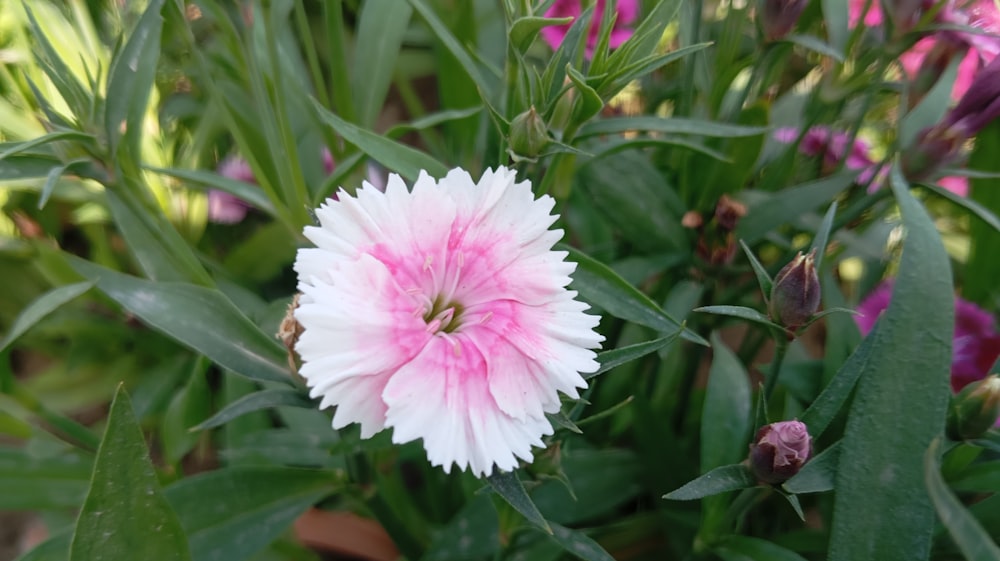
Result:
pixel 777 18
pixel 779 451
pixel 975 409
pixel 795 294
pixel 941 145
pixel 716 240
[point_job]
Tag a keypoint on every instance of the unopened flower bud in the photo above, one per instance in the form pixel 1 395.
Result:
pixel 937 147
pixel 795 293
pixel 779 451
pixel 975 409
pixel 778 17
pixel 528 134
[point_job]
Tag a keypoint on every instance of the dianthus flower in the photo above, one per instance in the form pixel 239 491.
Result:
pixel 628 12
pixel 976 343
pixel 443 313
pixel 832 147
pixel 226 208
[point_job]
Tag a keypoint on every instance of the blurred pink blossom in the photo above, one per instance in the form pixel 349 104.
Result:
pixel 976 343
pixel 832 146
pixel 628 12
pixel 226 208
pixel 956 184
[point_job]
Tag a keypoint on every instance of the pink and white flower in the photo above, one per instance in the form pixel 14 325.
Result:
pixel 443 313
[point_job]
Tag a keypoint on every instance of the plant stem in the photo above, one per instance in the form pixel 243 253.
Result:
pixel 780 348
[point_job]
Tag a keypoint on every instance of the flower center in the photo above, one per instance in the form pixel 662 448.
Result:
pixel 443 316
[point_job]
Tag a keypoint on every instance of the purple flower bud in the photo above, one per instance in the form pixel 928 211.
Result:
pixel 795 294
pixel 779 451
pixel 778 17
pixel 980 105
pixel 528 134
pixel 937 147
pixel 975 409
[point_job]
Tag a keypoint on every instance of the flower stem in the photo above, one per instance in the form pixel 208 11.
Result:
pixel 780 349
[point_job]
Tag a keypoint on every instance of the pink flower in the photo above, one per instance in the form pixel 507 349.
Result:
pixel 780 450
pixel 832 147
pixel 976 343
pixel 443 312
pixel 628 12
pixel 226 208
pixel 956 184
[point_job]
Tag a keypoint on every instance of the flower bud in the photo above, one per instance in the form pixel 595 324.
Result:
pixel 795 293
pixel 778 17
pixel 937 147
pixel 975 409
pixel 779 451
pixel 528 134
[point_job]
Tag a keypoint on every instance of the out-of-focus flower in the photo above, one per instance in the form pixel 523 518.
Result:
pixel 976 343
pixel 956 184
pixel 832 147
pixel 795 294
pixel 628 12
pixel 977 49
pixel 328 163
pixel 779 451
pixel 443 312
pixel 777 18
pixel 975 409
pixel 716 238
pixel 226 208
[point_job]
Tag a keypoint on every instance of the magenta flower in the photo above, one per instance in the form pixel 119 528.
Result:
pixel 443 312
pixel 976 343
pixel 832 147
pixel 226 208
pixel 628 12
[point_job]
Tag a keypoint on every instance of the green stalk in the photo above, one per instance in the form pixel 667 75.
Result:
pixel 305 31
pixel 780 349
pixel 340 81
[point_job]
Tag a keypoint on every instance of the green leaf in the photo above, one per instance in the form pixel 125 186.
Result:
pixel 441 31
pixel 672 125
pixel 130 79
pixel 778 209
pixel 597 283
pixel 821 413
pixel 198 317
pixel 432 120
pixel 589 103
pixel 979 478
pixel 380 28
pixel 745 548
pixel 508 485
pixel 245 191
pixel 975 543
pixel 725 423
pixel 397 157
pixel 740 312
pixel 816 45
pixel 54 136
pixel 18 168
pixel 982 266
pixel 28 482
pixel 720 480
pixel 881 463
pixel 837 30
pixel 187 407
pixel 235 512
pixel 525 29
pixel 931 108
pixel 579 544
pixel 41 307
pixel 763 279
pixel 266 399
pixel 125 516
pixel 976 209
pixel 621 78
pixel 818 474
pixel 823 235
pixel 622 355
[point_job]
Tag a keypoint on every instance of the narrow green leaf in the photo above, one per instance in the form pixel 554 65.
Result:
pixel 975 543
pixel 725 424
pixel 579 544
pixel 672 125
pixel 397 157
pixel 931 108
pixel 821 413
pixel 818 474
pixel 186 408
pixel 976 209
pixel 235 512
pixel 125 516
pixel 837 30
pixel 245 191
pixel 746 548
pixel 28 482
pixel 198 317
pixel 740 312
pixel 265 399
pixel 17 168
pixel 823 235
pixel 432 120
pixel 979 478
pixel 618 80
pixel 816 45
pixel 130 79
pixel 441 31
pixel 599 284
pixel 381 26
pixel 589 103
pixel 41 307
pixel 881 463
pixel 508 485
pixel 721 479
pixel 982 266
pixel 54 136
pixel 763 279
pixel 778 209
pixel 524 30
pixel 52 179
pixel 622 355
